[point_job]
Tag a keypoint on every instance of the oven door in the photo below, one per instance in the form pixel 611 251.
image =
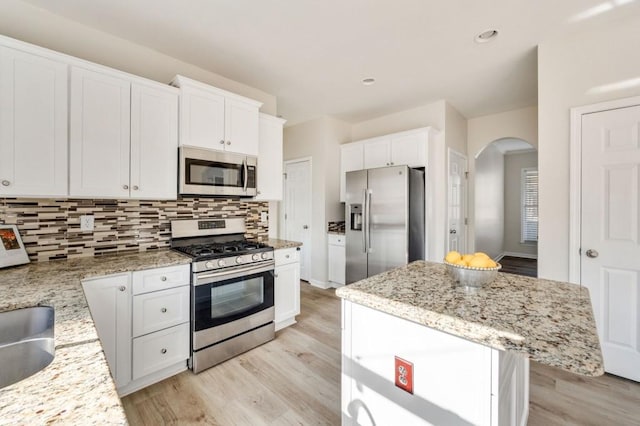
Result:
pixel 209 172
pixel 235 298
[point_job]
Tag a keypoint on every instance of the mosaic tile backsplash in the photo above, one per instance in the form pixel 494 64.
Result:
pixel 50 229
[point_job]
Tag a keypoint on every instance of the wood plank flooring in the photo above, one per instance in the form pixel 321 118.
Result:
pixel 295 380
pixel 519 266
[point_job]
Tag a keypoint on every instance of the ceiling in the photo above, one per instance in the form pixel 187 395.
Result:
pixel 313 54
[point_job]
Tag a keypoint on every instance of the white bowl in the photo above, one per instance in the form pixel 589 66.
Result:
pixel 467 276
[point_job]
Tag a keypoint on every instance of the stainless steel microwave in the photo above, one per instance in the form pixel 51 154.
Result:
pixel 215 173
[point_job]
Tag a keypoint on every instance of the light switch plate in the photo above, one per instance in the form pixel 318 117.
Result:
pixel 86 223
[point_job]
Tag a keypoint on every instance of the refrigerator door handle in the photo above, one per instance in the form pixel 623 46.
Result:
pixel 364 220
pixel 368 219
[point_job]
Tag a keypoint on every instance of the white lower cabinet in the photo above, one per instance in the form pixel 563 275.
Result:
pixel 286 287
pixel 337 260
pixel 142 319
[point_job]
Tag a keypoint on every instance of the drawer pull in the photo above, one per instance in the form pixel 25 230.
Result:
pixel 163 278
pixel 287 256
pixel 163 310
pixel 122 288
pixel 163 350
pixel 6 183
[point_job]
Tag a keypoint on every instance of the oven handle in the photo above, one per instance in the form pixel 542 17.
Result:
pixel 211 277
pixel 245 182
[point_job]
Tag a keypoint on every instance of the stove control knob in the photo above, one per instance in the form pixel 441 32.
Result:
pixel 239 259
pixel 208 265
pixel 265 255
pixel 255 257
pixel 221 263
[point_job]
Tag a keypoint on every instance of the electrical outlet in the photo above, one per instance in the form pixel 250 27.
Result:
pixel 264 216
pixel 86 223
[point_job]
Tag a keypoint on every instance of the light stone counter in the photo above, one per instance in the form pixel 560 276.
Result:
pixel 550 322
pixel 282 244
pixel 76 388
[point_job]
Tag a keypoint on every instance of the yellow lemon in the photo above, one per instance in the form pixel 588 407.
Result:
pixel 479 253
pixel 453 256
pixel 460 262
pixel 467 258
pixel 481 262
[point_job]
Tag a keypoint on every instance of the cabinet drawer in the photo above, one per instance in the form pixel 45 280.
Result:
pixel 336 239
pixel 284 256
pixel 158 350
pixel 161 309
pixel 160 278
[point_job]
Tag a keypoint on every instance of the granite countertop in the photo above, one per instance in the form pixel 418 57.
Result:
pixel 549 321
pixel 76 387
pixel 282 244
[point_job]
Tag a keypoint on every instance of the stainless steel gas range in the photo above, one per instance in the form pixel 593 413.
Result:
pixel 231 289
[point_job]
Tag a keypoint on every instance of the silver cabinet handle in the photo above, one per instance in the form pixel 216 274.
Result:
pixel 135 187
pixel 592 253
pixel 125 186
pixel 287 256
pixel 228 142
pixel 258 192
pixel 275 275
pixel 245 174
pixel 163 350
pixel 305 227
pixel 221 142
pixel 122 288
pixel 163 310
pixel 453 231
pixel 6 183
pixel 388 164
pixel 163 278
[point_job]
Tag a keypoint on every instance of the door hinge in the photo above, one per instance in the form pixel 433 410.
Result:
pixel 466 175
pixel 466 221
pixel 285 216
pixel 285 175
pixel 580 251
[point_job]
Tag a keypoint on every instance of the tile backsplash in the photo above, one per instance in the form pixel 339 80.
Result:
pixel 50 229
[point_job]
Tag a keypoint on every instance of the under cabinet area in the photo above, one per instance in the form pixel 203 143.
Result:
pixel 142 319
pixel 286 286
pixel 216 119
pixel 33 125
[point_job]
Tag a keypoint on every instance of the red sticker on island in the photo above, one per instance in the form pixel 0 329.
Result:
pixel 404 375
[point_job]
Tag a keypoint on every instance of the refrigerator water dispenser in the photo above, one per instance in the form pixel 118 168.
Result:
pixel 356 217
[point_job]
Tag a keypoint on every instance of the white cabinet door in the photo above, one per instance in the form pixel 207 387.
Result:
pixel 99 135
pixel 409 149
pixel 109 302
pixel 241 127
pixel 201 118
pixel 286 294
pixel 160 309
pixel 270 159
pixel 377 153
pixel 337 259
pixel 159 350
pixel 33 125
pixel 351 158
pixel 154 142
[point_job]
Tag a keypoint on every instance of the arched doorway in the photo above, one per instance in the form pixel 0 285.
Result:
pixel 505 207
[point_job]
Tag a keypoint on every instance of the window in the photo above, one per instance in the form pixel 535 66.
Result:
pixel 529 210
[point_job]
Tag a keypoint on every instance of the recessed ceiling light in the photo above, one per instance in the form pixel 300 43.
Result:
pixel 486 36
pixel 368 81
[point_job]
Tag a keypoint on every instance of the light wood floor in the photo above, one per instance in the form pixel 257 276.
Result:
pixel 295 380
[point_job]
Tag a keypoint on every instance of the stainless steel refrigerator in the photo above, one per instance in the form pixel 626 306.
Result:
pixel 384 220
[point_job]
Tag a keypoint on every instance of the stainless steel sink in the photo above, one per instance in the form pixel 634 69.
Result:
pixel 26 343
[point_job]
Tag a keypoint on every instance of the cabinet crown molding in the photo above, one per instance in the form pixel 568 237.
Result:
pixel 182 81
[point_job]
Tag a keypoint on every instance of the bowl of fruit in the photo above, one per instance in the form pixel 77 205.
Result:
pixel 471 270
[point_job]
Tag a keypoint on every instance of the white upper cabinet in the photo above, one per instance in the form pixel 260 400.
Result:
pixel 99 135
pixel 154 142
pixel 377 153
pixel 351 158
pixel 409 148
pixel 33 125
pixel 270 158
pixel 216 119
pixel 123 137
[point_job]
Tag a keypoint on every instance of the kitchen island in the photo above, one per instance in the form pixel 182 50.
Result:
pixel 419 350
pixel 77 387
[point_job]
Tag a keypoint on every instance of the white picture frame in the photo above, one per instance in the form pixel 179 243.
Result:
pixel 12 251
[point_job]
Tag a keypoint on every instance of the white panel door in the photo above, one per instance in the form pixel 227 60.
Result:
pixel 201 118
pixel 409 149
pixel 457 208
pixel 297 211
pixel 270 158
pixel 351 158
pixel 99 135
pixel 33 125
pixel 241 127
pixel 610 240
pixel 377 153
pixel 286 292
pixel 154 142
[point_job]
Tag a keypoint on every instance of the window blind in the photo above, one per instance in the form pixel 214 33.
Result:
pixel 529 211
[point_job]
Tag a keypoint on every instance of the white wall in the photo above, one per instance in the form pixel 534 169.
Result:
pixel 28 23
pixel 481 131
pixel 320 139
pixel 570 71
pixel 489 202
pixel 514 162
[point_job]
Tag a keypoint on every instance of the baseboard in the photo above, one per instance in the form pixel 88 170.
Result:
pixel 320 284
pixel 516 254
pixel 152 378
pixel 285 323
